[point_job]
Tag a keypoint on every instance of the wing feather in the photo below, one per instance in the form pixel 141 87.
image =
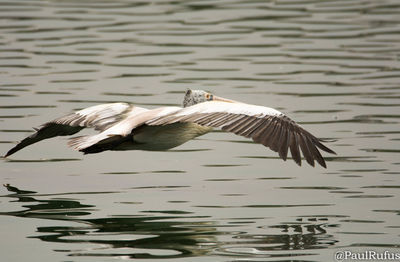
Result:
pixel 258 123
pixel 99 117
pixel 315 153
pixel 246 127
pixel 283 150
pixel 233 126
pixel 294 148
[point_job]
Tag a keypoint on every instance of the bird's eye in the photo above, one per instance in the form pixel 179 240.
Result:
pixel 207 96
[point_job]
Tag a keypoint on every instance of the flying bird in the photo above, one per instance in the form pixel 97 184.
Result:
pixel 123 126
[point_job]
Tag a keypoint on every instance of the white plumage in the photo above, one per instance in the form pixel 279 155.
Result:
pixel 231 108
pixel 123 126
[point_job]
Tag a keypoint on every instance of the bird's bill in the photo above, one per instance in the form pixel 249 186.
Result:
pixel 221 99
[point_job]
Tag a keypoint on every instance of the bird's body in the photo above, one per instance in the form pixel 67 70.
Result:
pixel 159 138
pixel 123 126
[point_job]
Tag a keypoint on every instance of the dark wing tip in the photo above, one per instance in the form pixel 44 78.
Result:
pixel 323 147
pixel 294 149
pixel 280 134
pixel 13 150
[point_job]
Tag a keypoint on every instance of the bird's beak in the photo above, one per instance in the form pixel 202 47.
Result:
pixel 221 99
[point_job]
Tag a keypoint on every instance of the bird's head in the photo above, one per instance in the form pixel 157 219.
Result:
pixel 193 97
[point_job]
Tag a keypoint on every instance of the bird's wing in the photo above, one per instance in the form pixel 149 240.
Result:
pixel 99 117
pixel 263 124
pixel 120 131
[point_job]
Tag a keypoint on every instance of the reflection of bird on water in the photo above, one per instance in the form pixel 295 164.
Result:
pixel 158 233
pixel 124 126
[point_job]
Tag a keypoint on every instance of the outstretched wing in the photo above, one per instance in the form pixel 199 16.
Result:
pixel 99 117
pixel 263 124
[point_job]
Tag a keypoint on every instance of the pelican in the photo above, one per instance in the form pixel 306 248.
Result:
pixel 123 126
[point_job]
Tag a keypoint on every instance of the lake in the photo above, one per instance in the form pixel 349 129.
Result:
pixel 333 66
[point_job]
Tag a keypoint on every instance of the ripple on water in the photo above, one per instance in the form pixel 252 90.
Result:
pixel 43 160
pixel 145 172
pixel 332 64
pixel 303 237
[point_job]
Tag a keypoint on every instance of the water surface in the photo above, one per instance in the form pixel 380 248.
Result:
pixel 333 66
